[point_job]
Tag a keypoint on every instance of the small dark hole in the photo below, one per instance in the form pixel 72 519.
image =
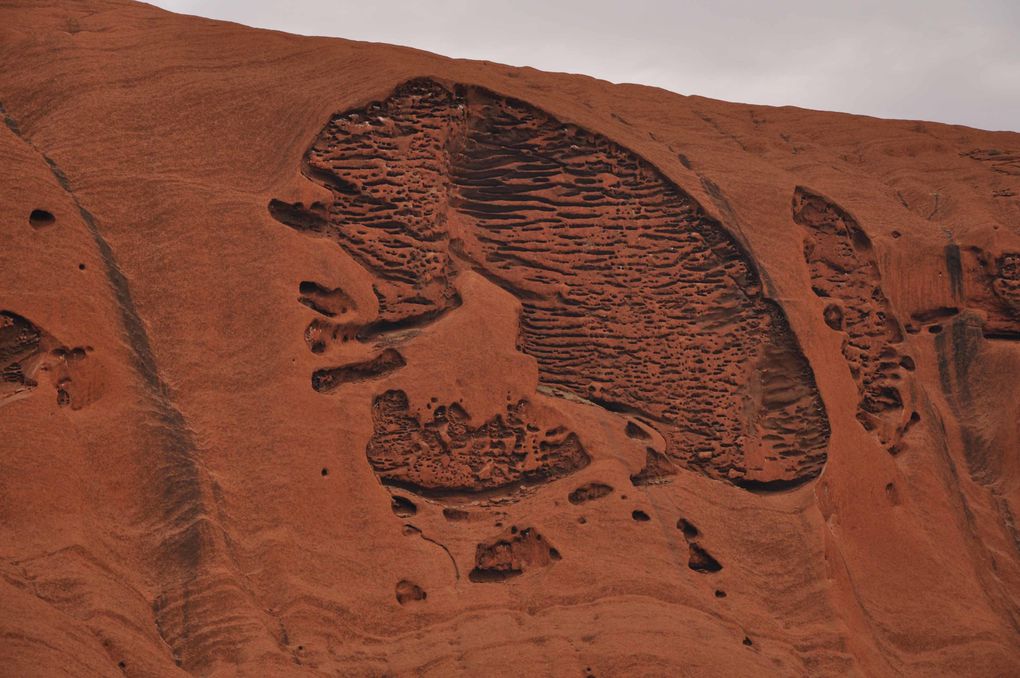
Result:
pixel 41 218
pixel 634 431
pixel 833 316
pixel 325 472
pixel 122 664
pixel 907 363
pixel 719 593
pixel 747 641
pixel 640 516
pixel 455 514
pixel 688 528
pixel 402 506
pixel 81 267
pixel 702 561
pixel 934 329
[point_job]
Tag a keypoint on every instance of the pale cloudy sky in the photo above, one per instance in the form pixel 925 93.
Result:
pixel 952 61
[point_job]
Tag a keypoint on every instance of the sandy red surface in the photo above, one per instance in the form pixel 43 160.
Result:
pixel 331 358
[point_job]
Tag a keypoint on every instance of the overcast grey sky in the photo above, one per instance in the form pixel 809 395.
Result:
pixel 955 61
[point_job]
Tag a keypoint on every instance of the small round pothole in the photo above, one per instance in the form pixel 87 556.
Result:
pixel 41 218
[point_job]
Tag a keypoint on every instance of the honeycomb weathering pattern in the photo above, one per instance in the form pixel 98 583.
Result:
pixel 28 351
pixel 512 554
pixel 446 455
pixel 20 340
pixel 632 298
pixel 844 273
pixel 993 287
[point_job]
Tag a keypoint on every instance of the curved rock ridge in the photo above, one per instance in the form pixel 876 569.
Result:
pixel 633 299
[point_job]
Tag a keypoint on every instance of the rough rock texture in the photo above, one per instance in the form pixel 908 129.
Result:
pixel 328 358
pixel 631 298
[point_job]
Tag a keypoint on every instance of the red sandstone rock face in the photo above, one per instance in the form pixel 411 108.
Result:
pixel 632 299
pixel 519 373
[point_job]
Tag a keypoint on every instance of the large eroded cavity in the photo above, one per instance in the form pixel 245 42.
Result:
pixel 28 352
pixel 632 298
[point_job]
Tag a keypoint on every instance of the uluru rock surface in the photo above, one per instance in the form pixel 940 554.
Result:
pixel 330 358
